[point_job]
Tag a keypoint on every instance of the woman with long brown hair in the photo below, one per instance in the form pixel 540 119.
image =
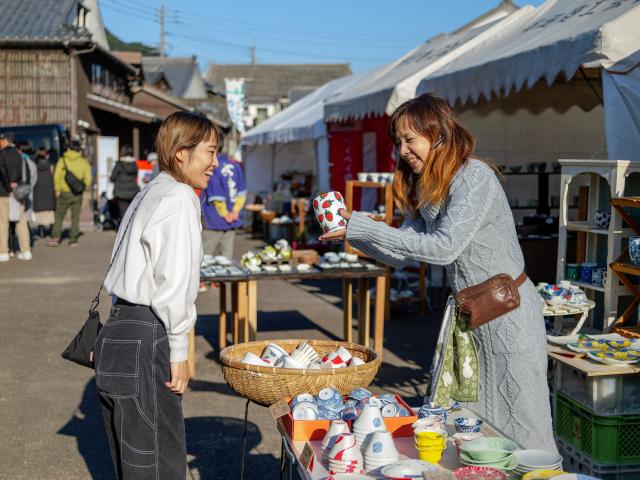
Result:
pixel 457 215
pixel 141 352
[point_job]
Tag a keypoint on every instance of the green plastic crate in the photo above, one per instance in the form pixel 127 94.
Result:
pixel 604 439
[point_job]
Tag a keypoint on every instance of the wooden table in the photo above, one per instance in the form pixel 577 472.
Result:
pixel 405 446
pixel 347 275
pixel 586 366
pixel 244 303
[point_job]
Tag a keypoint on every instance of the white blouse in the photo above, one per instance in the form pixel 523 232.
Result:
pixel 159 260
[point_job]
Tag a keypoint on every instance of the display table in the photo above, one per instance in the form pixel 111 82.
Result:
pixel 292 450
pixel 244 302
pixel 579 312
pixel 588 367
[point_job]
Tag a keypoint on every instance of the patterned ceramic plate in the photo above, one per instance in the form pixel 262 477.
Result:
pixel 479 473
pixel 576 347
pixel 594 344
pixel 614 358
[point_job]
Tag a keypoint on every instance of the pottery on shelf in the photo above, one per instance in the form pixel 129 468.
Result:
pixel 634 250
pixel 555 295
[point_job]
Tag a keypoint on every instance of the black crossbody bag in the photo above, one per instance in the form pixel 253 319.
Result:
pixel 81 348
pixel 75 184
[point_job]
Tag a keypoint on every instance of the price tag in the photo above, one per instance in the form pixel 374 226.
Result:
pixel 279 409
pixel 306 457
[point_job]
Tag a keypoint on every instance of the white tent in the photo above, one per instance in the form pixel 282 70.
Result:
pixel 293 139
pixel 382 91
pixel 560 36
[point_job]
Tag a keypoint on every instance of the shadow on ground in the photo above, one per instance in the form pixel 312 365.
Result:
pixel 214 442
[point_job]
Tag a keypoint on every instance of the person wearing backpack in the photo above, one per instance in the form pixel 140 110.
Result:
pixel 71 178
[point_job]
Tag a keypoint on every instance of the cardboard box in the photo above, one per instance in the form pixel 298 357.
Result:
pixel 316 429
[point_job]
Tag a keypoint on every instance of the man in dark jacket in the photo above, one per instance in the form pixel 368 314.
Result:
pixel 125 180
pixel 10 175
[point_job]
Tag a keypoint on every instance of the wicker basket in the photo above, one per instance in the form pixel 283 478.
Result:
pixel 267 385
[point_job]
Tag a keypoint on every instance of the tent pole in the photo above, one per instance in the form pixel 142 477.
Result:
pixel 586 79
pixel 273 165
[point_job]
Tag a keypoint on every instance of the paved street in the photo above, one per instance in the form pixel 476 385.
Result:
pixel 51 425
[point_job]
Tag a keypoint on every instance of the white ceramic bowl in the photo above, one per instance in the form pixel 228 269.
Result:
pixel 336 427
pixel 381 446
pixel 370 419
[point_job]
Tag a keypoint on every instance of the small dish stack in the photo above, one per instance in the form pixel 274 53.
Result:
pixel 489 452
pixel 380 451
pixel 530 460
pixel 345 456
pixel 336 428
pixel 369 421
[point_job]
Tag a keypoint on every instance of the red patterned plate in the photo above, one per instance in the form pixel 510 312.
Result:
pixel 479 473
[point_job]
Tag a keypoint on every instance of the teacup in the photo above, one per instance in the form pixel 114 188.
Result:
pixel 573 272
pixel 253 359
pixel 586 272
pixel 374 177
pixel 344 354
pixel 356 361
pixel 327 208
pixel 362 176
pixel 602 219
pixel 273 352
pixel 290 362
pixel 467 425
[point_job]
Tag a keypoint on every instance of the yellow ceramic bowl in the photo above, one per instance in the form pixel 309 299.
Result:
pixel 541 474
pixel 431 456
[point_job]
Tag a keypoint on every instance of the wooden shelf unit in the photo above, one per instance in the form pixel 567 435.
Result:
pixel 615 172
pixel 622 268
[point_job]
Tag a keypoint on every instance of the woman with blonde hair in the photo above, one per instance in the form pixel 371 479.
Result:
pixel 457 215
pixel 141 352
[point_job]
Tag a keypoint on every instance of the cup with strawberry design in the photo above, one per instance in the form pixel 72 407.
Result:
pixel 327 208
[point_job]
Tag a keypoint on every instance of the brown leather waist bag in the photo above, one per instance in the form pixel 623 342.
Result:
pixel 490 299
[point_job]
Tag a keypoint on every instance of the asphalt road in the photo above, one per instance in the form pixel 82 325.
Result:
pixel 50 421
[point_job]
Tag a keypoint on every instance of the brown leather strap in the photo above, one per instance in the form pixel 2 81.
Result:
pixel 520 280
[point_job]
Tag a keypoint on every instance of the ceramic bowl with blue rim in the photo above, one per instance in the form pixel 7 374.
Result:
pixel 467 424
pixel 428 410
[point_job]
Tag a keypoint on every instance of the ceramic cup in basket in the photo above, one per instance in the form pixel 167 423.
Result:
pixel 327 208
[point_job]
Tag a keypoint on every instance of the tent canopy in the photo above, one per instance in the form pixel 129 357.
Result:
pixel 387 87
pixel 303 120
pixel 559 36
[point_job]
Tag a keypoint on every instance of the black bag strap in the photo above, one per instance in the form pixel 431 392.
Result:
pixel 96 301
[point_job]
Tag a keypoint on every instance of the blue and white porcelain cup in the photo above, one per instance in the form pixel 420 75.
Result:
pixel 330 398
pixel 634 250
pixel 586 270
pixel 578 297
pixel 599 276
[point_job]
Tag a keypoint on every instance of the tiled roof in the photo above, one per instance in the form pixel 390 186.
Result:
pixel 268 83
pixel 33 21
pixel 178 71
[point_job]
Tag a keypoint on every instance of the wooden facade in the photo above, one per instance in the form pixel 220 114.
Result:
pixel 35 86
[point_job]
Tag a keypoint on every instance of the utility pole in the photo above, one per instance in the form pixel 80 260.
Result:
pixel 253 53
pixel 161 15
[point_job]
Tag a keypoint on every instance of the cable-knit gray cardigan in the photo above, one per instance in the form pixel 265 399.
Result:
pixel 473 235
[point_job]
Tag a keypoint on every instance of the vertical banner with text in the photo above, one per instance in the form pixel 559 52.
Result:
pixel 235 101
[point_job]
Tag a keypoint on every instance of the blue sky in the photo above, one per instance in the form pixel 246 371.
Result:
pixel 363 33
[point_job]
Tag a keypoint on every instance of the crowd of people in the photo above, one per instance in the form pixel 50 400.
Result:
pixel 36 192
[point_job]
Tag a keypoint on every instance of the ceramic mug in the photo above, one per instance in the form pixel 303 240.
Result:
pixel 602 219
pixel 599 276
pixel 573 272
pixel 326 207
pixel 586 269
pixel 634 250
